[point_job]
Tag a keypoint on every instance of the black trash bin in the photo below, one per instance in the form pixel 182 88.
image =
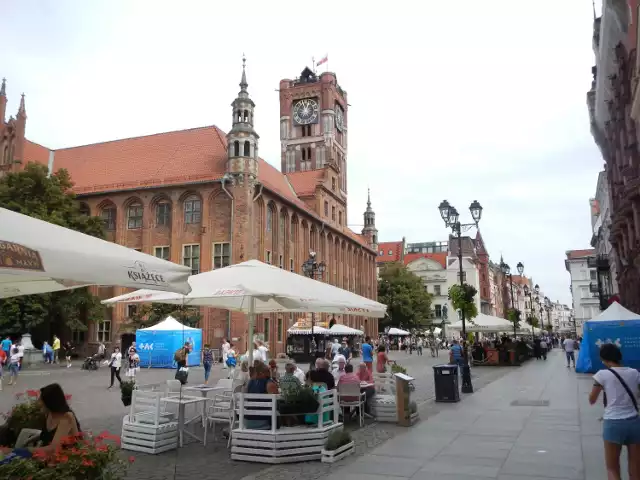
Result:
pixel 446 383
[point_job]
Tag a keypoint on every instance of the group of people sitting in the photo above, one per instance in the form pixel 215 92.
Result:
pixel 264 378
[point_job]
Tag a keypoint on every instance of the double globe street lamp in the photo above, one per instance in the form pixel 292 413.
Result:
pixel 315 270
pixel 506 270
pixel 451 219
pixel 530 294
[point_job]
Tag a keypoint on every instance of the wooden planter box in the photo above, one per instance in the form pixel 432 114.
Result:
pixel 332 456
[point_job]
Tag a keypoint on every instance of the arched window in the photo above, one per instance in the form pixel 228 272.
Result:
pixel 246 116
pixel 282 226
pixel 108 216
pixel 134 216
pixel 192 210
pixel 247 148
pixel 269 219
pixel 84 209
pixel 239 116
pixel 5 156
pixel 236 148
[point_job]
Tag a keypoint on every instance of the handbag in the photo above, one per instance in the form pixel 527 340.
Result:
pixel 634 400
pixel 182 374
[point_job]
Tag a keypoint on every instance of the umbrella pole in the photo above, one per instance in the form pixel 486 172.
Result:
pixel 252 317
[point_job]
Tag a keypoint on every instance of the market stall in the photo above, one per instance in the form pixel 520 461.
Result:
pixel 352 336
pixel 300 341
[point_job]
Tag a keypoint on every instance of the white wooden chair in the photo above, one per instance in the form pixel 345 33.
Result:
pixel 222 411
pixel 225 383
pixel 147 428
pixel 349 396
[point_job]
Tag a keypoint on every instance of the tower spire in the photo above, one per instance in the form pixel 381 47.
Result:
pixel 368 198
pixel 3 88
pixel 21 109
pixel 243 80
pixel 370 232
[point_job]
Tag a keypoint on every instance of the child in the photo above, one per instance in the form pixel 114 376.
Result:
pixel 14 365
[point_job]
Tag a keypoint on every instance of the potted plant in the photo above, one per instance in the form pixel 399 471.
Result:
pixel 26 414
pixel 395 368
pixel 414 416
pixel 298 401
pixel 339 445
pixel 126 391
pixel 80 457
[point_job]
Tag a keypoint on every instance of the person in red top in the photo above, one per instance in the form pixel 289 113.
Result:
pixel 364 374
pixel 381 364
pixel 3 361
pixel 349 377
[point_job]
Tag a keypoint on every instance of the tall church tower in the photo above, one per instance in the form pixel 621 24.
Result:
pixel 370 232
pixel 313 124
pixel 11 134
pixel 242 170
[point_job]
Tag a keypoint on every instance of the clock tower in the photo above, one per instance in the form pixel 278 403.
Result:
pixel 313 124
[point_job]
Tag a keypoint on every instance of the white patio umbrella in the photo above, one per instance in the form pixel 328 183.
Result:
pixel 254 287
pixel 338 329
pixel 296 330
pixel 484 323
pixel 397 331
pixel 39 257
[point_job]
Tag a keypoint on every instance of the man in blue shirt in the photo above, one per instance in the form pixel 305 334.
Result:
pixel 367 353
pixel 456 355
pixel 6 346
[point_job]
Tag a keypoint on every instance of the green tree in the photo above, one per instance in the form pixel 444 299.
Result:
pixel 533 321
pixel 513 315
pixel 463 299
pixel 35 193
pixel 148 314
pixel 408 304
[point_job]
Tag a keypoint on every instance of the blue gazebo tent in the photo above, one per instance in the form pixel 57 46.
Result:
pixel 615 325
pixel 157 344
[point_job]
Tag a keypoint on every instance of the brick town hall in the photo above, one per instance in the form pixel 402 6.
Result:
pixel 206 199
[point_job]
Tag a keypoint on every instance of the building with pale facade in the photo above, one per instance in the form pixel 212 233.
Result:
pixel 586 304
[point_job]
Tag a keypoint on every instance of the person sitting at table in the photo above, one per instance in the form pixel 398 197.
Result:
pixel 321 374
pixel 350 377
pixel 241 375
pixel 289 381
pixel 364 374
pixel 339 371
pixel 273 370
pixel 260 383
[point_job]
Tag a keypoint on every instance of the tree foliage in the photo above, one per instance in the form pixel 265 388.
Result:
pixel 148 314
pixel 47 197
pixel 533 321
pixel 513 315
pixel 408 303
pixel 463 299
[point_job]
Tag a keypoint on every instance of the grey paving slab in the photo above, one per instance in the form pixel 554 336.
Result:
pixel 363 476
pixel 424 475
pixel 384 465
pixel 457 468
pixel 526 477
pixel 515 467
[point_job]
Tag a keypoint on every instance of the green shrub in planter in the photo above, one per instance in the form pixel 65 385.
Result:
pixel 298 400
pixel 337 439
pixel 395 368
pixel 126 391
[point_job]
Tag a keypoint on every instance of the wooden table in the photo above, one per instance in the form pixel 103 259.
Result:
pixel 182 402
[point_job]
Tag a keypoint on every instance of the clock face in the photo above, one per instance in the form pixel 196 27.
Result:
pixel 339 118
pixel 305 111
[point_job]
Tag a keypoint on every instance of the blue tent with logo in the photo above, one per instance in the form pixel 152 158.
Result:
pixel 615 325
pixel 158 344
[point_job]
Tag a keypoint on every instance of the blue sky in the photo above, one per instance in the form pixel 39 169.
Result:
pixel 459 100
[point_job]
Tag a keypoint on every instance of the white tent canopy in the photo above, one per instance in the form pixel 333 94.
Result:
pixel 39 257
pixel 254 288
pixel 169 324
pixel 484 323
pixel 397 331
pixel 338 329
pixel 616 312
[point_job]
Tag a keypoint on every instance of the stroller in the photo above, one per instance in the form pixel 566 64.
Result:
pixel 91 363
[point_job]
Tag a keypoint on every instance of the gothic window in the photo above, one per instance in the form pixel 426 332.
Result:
pixel 339 218
pixel 192 210
pixel 108 216
pixel 333 213
pixel 163 213
pixel 282 227
pixel 326 209
pixel 134 216
pixel 269 219
pixel 247 148
pixel 304 154
pixel 5 157
pixel 84 209
pixel 236 148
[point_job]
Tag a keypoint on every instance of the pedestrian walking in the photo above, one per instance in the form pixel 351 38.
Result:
pixel 14 365
pixel 367 353
pixel 6 345
pixel 56 348
pixel 207 361
pixel 115 363
pixel 543 348
pixel 134 366
pixel 569 346
pixel 621 423
pixel 68 351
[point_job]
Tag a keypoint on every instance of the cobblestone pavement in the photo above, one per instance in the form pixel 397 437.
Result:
pixel 99 409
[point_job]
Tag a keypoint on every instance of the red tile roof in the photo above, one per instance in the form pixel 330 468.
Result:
pixel 305 183
pixel 35 153
pixel 574 254
pixel 440 257
pixel 165 159
pixel 396 252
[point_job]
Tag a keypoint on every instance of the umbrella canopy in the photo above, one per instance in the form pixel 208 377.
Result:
pixel 397 331
pixel 484 323
pixel 169 324
pixel 254 287
pixel 338 329
pixel 40 257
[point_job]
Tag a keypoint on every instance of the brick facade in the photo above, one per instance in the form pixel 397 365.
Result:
pixel 206 199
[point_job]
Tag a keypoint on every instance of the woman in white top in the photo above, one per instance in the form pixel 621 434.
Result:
pixel 115 363
pixel 621 423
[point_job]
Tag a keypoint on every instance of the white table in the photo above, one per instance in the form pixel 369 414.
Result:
pixel 204 392
pixel 182 402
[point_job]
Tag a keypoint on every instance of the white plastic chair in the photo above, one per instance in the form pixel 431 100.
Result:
pixel 349 395
pixel 222 411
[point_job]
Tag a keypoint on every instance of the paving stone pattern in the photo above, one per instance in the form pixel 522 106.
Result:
pixel 100 409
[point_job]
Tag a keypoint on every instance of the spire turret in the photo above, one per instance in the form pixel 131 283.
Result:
pixel 3 101
pixel 22 112
pixel 3 88
pixel 370 232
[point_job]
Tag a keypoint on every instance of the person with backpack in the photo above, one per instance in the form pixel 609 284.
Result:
pixel 621 422
pixel 180 357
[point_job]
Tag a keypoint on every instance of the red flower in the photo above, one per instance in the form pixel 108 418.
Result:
pixel 33 393
pixel 87 463
pixel 132 459
pixel 39 453
pixel 68 396
pixel 62 458
pixel 102 448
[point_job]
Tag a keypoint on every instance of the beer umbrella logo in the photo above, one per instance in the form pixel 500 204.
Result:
pixel 139 273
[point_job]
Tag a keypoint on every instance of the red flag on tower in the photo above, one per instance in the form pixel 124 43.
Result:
pixel 324 59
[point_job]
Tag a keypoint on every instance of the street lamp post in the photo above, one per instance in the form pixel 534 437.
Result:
pixel 530 294
pixel 506 270
pixel 450 217
pixel 547 307
pixel 315 270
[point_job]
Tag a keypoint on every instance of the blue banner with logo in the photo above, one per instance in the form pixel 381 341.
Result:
pixel 625 334
pixel 157 348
